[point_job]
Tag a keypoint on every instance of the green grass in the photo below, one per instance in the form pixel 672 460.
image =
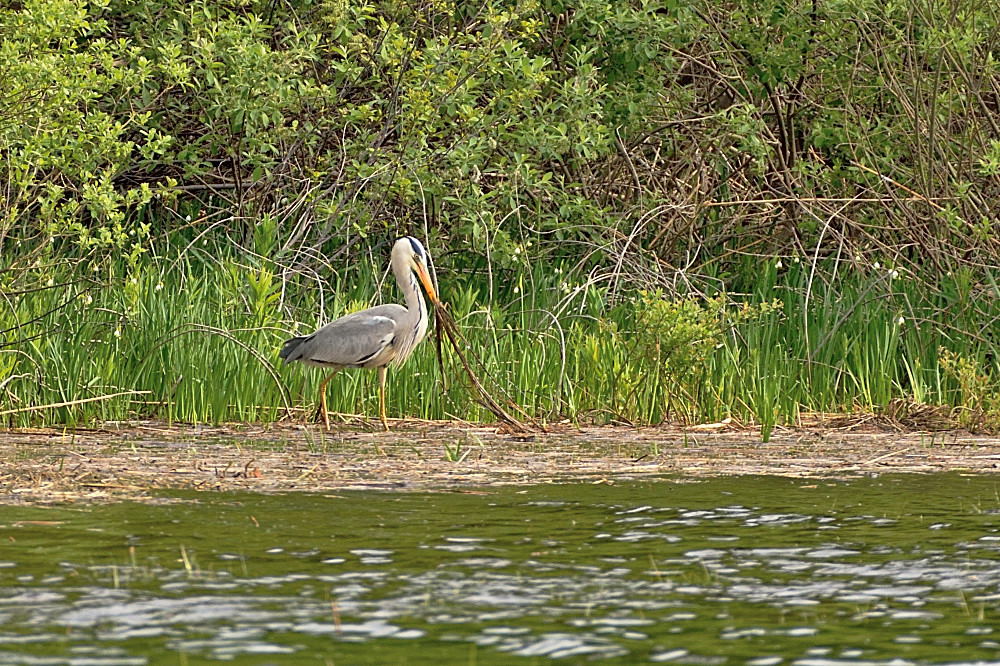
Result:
pixel 199 333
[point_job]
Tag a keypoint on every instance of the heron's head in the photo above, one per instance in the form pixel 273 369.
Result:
pixel 415 256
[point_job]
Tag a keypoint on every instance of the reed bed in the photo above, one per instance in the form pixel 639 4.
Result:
pixel 194 337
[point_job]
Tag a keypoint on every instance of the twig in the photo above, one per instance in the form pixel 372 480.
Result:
pixel 120 486
pixel 306 473
pixel 898 184
pixel 887 455
pixel 778 200
pixel 71 403
pixel 628 159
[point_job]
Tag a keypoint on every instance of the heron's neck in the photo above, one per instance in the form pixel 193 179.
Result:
pixel 407 281
pixel 414 299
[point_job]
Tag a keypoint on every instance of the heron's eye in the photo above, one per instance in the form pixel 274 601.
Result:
pixel 418 249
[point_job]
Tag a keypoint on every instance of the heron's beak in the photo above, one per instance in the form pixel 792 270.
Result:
pixel 425 279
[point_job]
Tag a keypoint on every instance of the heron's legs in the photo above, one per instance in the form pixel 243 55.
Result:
pixel 381 396
pixel 322 398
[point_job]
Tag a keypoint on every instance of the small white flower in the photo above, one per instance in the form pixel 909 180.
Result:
pixel 50 282
pixel 876 265
pixel 517 290
pixel 894 274
pixel 795 259
pixel 517 251
pixel 187 218
pixel 900 321
pixel 88 299
pixel 159 286
pixel 118 332
pixel 778 264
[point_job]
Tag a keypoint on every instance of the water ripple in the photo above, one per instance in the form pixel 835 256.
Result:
pixel 742 571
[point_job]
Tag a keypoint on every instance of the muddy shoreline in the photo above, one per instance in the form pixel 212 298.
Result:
pixel 134 460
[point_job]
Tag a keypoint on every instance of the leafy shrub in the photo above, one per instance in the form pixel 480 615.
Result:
pixel 979 396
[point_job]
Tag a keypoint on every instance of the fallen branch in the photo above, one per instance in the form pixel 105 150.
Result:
pixel 447 326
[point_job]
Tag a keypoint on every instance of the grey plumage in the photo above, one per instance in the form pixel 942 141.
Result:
pixel 375 337
pixel 351 341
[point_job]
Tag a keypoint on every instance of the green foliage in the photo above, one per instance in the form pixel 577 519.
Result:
pixel 200 331
pixel 670 347
pixel 348 117
pixel 979 396
pixel 639 147
pixel 63 148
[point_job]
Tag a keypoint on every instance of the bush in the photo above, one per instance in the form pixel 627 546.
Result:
pixel 640 130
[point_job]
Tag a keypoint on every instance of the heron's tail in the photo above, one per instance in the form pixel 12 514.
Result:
pixel 291 350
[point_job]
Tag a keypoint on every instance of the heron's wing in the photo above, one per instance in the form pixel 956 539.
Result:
pixel 351 340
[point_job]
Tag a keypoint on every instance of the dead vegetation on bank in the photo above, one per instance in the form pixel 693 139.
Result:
pixel 135 460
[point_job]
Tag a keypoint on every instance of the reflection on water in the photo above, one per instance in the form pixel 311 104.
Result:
pixel 751 570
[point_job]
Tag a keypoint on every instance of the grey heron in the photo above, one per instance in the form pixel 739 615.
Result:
pixel 375 337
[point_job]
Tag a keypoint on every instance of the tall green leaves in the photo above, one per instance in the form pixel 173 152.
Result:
pixel 201 332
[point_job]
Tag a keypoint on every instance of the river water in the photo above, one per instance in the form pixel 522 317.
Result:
pixel 749 570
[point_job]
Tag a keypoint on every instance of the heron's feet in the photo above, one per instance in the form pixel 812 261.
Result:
pixel 322 416
pixel 322 399
pixel 381 414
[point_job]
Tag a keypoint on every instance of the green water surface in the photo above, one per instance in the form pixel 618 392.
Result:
pixel 742 570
